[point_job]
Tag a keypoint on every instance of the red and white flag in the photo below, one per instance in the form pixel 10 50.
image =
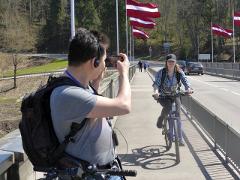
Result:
pixel 236 18
pixel 142 10
pixel 220 31
pixel 139 33
pixel 143 22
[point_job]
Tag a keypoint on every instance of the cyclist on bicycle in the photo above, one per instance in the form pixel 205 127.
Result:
pixel 86 63
pixel 166 85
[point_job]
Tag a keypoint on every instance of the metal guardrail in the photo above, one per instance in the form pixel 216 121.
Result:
pixel 224 137
pixel 228 70
pixel 14 164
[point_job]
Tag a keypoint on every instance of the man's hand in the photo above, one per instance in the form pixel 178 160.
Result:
pixel 123 66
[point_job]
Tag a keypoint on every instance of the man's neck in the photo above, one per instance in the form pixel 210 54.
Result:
pixel 80 74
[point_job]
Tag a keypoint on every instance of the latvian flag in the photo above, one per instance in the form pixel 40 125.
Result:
pixel 143 22
pixel 139 34
pixel 220 31
pixel 236 18
pixel 142 10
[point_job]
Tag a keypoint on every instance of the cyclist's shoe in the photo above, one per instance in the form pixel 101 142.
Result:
pixel 181 143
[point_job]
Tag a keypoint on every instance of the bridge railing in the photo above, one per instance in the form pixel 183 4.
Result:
pixel 225 139
pixel 14 164
pixel 231 70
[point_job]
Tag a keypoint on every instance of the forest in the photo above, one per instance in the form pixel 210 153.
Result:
pixel 33 26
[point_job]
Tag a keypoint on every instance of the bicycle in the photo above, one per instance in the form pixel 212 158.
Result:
pixel 92 172
pixel 170 128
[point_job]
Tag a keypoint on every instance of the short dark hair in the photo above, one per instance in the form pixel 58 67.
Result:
pixel 84 46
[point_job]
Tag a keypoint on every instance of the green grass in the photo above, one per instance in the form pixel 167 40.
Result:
pixel 50 67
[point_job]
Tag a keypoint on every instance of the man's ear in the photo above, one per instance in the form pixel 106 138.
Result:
pixel 96 62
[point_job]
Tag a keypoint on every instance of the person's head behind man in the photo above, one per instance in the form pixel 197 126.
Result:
pixel 102 38
pixel 86 50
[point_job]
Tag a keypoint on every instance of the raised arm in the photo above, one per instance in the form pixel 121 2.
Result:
pixel 120 105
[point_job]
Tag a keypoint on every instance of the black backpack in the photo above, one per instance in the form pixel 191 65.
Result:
pixel 39 140
pixel 178 76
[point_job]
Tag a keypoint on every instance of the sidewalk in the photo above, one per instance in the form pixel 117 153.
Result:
pixel 142 146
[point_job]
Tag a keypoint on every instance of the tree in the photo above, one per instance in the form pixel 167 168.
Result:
pixel 15 62
pixel 87 15
pixel 56 33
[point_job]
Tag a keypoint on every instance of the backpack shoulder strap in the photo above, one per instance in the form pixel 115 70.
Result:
pixel 178 76
pixel 75 127
pixel 164 71
pixel 54 82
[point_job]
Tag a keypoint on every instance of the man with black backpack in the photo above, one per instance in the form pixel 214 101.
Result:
pixel 72 107
pixel 167 83
pixel 73 104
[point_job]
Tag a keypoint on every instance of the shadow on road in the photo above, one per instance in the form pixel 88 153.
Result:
pixel 152 157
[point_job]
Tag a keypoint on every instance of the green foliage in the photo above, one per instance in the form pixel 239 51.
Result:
pixel 86 15
pixel 55 34
pixel 44 26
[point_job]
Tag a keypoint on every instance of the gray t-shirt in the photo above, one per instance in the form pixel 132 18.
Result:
pixel 94 141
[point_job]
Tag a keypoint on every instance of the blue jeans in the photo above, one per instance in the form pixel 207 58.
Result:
pixel 167 106
pixel 115 178
pixel 179 128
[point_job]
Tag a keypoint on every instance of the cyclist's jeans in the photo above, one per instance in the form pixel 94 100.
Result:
pixel 167 106
pixel 179 129
pixel 108 178
pixel 115 178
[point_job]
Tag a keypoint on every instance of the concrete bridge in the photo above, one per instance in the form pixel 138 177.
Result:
pixel 141 144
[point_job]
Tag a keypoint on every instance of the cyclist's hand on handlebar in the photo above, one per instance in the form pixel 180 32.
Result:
pixel 156 96
pixel 189 91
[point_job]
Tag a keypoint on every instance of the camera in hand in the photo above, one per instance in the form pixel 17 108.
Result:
pixel 111 61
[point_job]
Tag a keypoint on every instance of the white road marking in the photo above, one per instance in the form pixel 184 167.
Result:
pixel 235 93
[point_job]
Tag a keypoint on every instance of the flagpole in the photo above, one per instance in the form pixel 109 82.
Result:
pixel 212 41
pixel 133 48
pixel 72 20
pixel 234 51
pixel 198 46
pixel 130 42
pixel 126 29
pixel 117 26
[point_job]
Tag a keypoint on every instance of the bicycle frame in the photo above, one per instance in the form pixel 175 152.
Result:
pixel 171 130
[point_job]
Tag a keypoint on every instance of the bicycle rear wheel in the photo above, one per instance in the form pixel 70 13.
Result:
pixel 176 141
pixel 166 133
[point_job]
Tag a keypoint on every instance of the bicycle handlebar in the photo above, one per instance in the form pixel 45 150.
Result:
pixel 117 172
pixel 93 170
pixel 181 93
